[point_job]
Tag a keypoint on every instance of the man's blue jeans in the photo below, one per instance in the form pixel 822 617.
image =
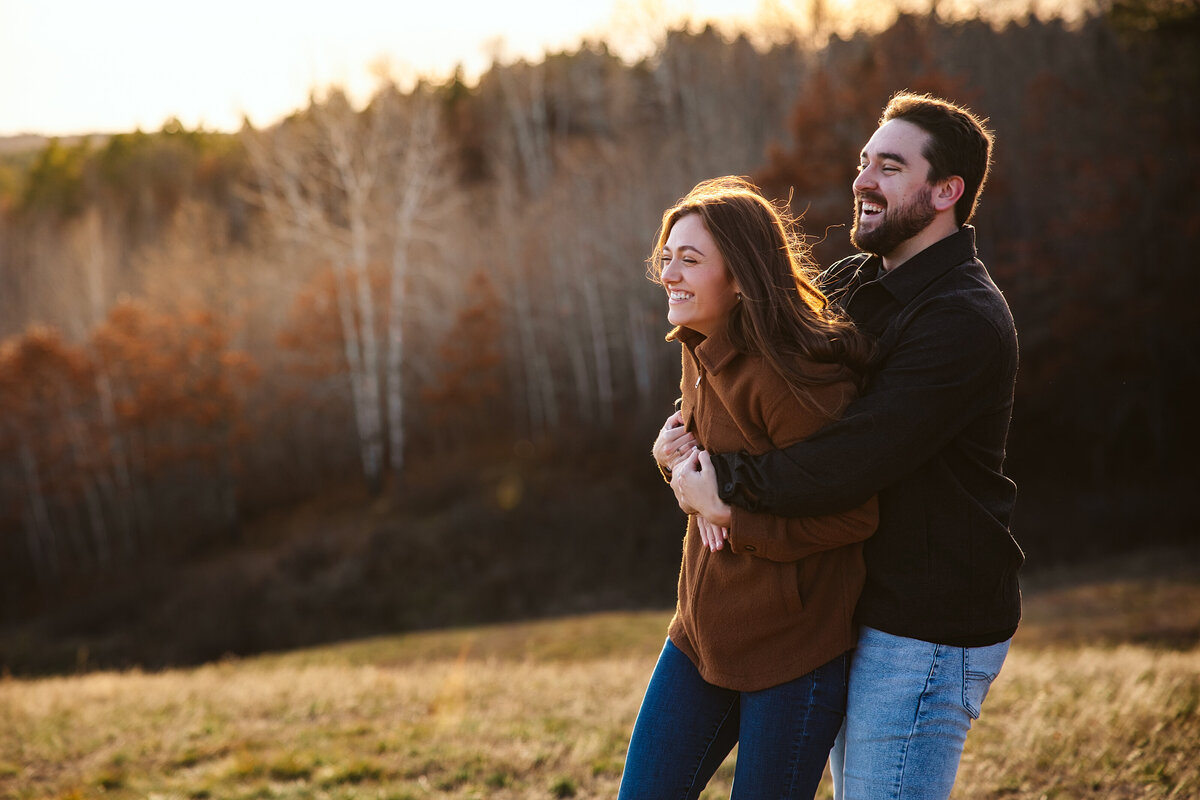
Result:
pixel 686 727
pixel 910 706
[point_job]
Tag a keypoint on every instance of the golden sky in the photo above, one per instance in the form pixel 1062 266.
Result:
pixel 80 66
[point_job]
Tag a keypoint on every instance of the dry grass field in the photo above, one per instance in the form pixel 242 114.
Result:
pixel 1098 700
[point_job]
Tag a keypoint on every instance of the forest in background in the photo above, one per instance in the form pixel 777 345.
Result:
pixel 440 301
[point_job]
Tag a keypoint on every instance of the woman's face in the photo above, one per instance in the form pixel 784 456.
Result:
pixel 700 291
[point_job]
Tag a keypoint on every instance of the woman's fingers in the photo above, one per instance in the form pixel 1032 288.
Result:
pixel 712 535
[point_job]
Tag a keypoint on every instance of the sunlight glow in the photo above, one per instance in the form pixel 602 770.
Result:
pixel 78 66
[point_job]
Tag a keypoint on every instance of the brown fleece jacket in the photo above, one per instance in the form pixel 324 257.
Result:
pixel 777 601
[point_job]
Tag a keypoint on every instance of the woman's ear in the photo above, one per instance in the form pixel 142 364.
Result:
pixel 947 192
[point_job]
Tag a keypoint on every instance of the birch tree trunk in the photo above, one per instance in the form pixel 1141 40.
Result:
pixel 566 276
pixel 395 342
pixel 94 251
pixel 88 470
pixel 118 457
pixel 417 160
pixel 39 531
pixel 356 160
pixel 596 299
pixel 530 148
pixel 641 351
pixel 318 180
pixel 539 382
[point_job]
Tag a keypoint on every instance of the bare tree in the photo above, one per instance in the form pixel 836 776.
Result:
pixel 416 169
pixel 525 144
pixel 317 179
pixel 358 187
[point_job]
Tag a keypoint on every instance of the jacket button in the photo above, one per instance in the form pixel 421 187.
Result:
pixel 729 488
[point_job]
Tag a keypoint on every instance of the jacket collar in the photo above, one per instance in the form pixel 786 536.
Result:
pixel 714 352
pixel 911 278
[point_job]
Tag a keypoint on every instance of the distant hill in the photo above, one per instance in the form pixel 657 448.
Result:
pixel 31 142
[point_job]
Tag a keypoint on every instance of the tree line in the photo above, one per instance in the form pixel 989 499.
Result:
pixel 200 326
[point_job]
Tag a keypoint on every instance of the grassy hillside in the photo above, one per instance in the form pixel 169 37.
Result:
pixel 1099 699
pixel 458 544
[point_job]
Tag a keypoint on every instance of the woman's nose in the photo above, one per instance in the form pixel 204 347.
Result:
pixel 670 272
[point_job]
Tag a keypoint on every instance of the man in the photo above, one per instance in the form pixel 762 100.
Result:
pixel 941 600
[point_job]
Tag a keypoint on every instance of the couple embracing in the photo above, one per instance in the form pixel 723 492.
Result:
pixel 848 588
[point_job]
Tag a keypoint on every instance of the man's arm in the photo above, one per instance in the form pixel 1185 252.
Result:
pixel 938 377
pixel 766 536
pixel 793 538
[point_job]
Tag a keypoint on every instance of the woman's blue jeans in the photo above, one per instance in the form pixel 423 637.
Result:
pixel 686 727
pixel 910 707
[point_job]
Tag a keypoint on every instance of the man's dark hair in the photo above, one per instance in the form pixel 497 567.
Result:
pixel 959 143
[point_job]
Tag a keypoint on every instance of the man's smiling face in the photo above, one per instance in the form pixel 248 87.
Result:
pixel 892 193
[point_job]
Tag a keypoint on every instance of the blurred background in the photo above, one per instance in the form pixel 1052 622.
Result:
pixel 317 324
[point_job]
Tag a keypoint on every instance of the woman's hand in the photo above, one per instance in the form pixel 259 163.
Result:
pixel 694 482
pixel 674 442
pixel 712 535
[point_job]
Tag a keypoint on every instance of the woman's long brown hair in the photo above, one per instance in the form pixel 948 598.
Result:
pixel 782 314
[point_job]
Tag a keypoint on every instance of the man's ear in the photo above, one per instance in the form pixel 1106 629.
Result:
pixel 947 192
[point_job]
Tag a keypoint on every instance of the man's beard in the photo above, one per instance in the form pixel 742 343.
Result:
pixel 898 226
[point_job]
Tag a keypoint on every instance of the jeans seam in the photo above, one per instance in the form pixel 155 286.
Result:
pixel 798 742
pixel 898 789
pixel 691 787
pixel 816 679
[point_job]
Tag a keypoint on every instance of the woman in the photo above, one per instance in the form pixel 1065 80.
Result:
pixel 756 652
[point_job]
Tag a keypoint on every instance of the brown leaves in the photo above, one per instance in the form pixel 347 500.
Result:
pixel 142 413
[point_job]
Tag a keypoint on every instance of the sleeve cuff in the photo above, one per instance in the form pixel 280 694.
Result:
pixel 730 488
pixel 726 487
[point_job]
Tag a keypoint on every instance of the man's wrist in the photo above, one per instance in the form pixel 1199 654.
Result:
pixel 726 484
pixel 729 471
